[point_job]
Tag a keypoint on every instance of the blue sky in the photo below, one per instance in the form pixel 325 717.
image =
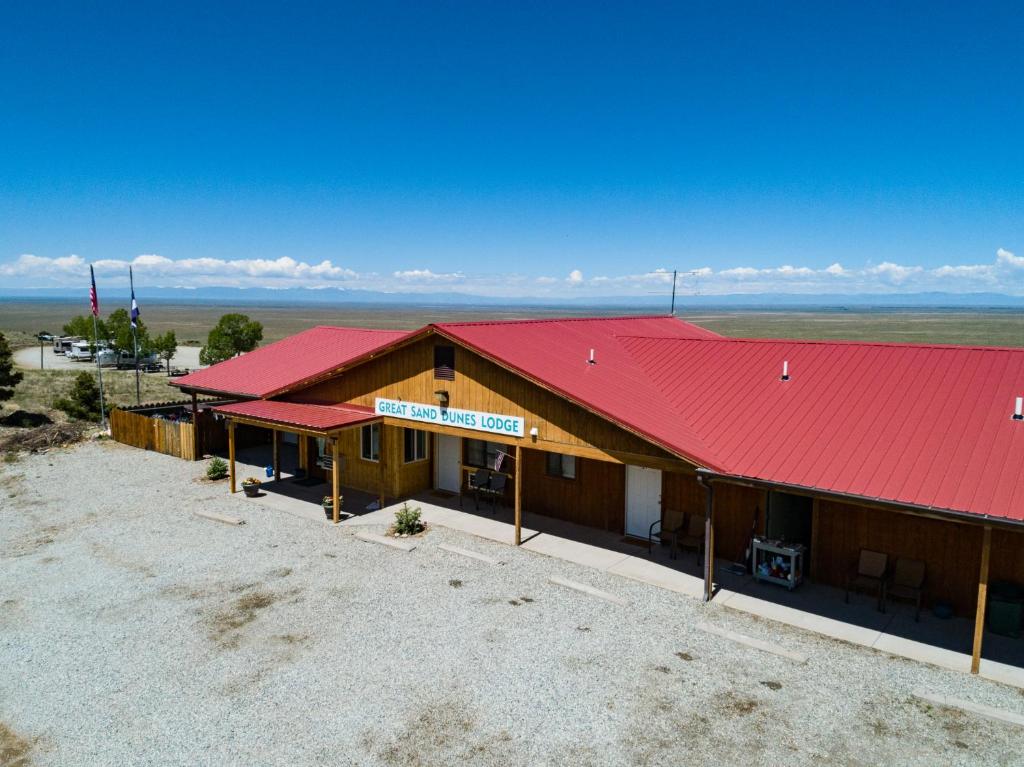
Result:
pixel 518 148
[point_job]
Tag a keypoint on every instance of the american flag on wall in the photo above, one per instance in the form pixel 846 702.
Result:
pixel 94 301
pixel 499 459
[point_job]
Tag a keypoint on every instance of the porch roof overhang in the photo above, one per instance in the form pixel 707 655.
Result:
pixel 302 416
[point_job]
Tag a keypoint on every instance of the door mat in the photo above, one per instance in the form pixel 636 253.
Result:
pixel 309 481
pixel 443 494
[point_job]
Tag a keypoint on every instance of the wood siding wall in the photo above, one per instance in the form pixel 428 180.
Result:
pixel 156 434
pixel 399 478
pixel 597 497
pixel 735 506
pixel 408 373
pixel 950 550
pixel 1007 557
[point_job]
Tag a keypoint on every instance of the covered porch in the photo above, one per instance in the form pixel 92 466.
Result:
pixel 326 424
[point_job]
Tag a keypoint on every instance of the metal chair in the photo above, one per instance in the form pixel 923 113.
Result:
pixel 692 537
pixel 479 480
pixel 666 530
pixel 906 582
pixel 869 575
pixel 495 489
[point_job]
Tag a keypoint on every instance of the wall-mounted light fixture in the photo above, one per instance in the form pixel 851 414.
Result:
pixel 441 395
pixel 534 432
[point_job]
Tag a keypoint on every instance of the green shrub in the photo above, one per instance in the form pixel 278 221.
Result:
pixel 407 521
pixel 83 403
pixel 217 469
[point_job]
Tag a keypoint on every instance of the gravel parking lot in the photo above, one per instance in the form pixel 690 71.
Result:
pixel 133 632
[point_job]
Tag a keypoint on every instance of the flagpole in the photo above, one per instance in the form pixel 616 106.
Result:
pixel 135 338
pixel 95 308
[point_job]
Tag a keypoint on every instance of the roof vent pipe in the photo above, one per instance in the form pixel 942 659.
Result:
pixel 1018 409
pixel 591 361
pixel 785 370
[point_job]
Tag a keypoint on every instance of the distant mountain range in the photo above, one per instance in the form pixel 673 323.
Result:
pixel 265 296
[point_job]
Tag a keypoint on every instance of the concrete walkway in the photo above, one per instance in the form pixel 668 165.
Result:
pixel 644 570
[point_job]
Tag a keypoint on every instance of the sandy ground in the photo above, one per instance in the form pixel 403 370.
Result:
pixel 186 357
pixel 133 632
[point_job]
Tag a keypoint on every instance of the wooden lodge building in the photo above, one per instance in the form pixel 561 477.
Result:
pixel 617 423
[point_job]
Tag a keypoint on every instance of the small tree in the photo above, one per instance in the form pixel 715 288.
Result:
pixel 83 403
pixel 82 327
pixel 9 377
pixel 119 330
pixel 234 334
pixel 166 345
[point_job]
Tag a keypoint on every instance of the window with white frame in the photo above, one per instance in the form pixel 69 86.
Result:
pixel 563 466
pixel 370 442
pixel 415 445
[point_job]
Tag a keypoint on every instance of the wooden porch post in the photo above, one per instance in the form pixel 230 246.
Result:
pixel 197 448
pixel 336 477
pixel 519 495
pixel 277 455
pixel 709 543
pixel 380 466
pixel 979 618
pixel 231 453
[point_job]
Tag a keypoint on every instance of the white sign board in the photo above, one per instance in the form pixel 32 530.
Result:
pixel 510 426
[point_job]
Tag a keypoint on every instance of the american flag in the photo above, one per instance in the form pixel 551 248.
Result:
pixel 94 301
pixel 498 460
pixel 135 305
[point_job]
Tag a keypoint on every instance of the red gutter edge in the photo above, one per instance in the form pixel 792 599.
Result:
pixel 598 411
pixel 937 511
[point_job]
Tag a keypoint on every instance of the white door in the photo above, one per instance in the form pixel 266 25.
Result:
pixel 643 500
pixel 449 463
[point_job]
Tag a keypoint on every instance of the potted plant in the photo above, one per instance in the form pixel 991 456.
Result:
pixel 251 487
pixel 328 504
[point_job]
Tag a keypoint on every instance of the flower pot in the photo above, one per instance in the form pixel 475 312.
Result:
pixel 328 511
pixel 251 491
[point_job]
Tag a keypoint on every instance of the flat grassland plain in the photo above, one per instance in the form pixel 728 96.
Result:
pixel 21 319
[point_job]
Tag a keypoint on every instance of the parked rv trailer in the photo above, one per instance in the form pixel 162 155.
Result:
pixel 62 344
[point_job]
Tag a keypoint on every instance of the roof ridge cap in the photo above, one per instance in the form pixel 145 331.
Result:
pixel 830 342
pixel 538 320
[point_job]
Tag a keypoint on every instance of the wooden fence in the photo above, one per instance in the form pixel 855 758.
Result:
pixel 140 430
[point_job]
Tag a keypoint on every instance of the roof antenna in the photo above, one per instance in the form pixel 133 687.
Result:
pixel 673 310
pixel 591 361
pixel 785 370
pixel 1018 409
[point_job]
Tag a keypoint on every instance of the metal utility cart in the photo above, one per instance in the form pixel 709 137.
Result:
pixel 778 562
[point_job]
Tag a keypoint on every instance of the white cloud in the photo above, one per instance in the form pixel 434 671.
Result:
pixel 1004 274
pixel 428 277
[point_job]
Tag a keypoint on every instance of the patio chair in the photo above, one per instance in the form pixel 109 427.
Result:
pixel 479 481
pixel 906 582
pixel 869 575
pixel 666 530
pixel 495 489
pixel 692 536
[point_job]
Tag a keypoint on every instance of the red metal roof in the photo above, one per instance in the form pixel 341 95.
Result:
pixel 556 353
pixel 924 425
pixel 304 415
pixel 292 361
